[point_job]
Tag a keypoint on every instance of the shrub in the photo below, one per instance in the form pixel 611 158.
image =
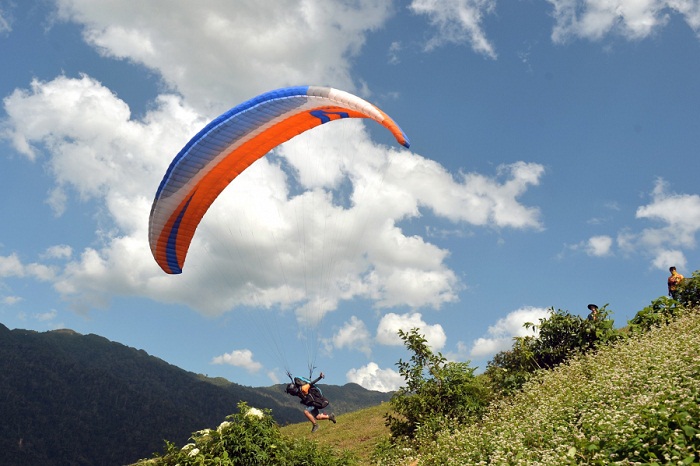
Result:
pixel 661 312
pixel 689 291
pixel 250 437
pixel 437 393
pixel 557 338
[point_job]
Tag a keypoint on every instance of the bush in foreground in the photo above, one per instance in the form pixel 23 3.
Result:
pixel 250 437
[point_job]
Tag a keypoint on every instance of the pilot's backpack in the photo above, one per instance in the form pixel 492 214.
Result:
pixel 310 395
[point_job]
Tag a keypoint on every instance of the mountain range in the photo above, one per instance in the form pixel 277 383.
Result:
pixel 73 399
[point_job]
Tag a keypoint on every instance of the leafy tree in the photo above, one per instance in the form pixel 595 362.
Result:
pixel 437 393
pixel 556 339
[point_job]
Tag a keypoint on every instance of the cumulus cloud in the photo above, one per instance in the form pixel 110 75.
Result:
pixel 473 198
pixel 599 245
pixel 11 300
pixel 239 358
pixel 12 266
pixel 62 251
pixel 372 377
pixel 500 336
pixel 678 220
pixel 458 21
pixel 197 47
pixel 390 324
pixel 353 335
pixel 632 19
pixel 675 220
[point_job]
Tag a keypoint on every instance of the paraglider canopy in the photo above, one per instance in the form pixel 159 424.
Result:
pixel 231 143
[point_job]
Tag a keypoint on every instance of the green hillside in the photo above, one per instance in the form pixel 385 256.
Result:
pixel 357 432
pixel 637 402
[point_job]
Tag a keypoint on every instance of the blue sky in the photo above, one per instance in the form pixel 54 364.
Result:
pixel 554 163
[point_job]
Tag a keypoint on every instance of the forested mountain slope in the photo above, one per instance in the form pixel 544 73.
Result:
pixel 72 399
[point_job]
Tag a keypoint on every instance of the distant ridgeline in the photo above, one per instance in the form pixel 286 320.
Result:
pixel 79 399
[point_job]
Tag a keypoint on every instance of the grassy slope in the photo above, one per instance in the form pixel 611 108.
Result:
pixel 358 431
pixel 568 409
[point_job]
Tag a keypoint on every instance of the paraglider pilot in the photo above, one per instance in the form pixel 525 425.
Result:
pixel 312 397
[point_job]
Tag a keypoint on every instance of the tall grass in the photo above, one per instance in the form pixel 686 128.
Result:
pixel 358 432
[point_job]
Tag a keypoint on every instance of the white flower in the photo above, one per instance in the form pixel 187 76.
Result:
pixel 194 452
pixel 188 446
pixel 254 412
pixel 224 425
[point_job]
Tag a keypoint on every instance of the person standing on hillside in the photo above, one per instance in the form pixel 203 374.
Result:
pixel 594 312
pixel 312 397
pixel 673 282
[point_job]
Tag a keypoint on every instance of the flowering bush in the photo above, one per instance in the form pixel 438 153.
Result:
pixel 255 412
pixel 250 437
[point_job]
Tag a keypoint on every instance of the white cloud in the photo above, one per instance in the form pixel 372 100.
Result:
pixel 599 246
pixel 239 358
pixel 5 22
pixel 678 216
pixel 46 316
pixel 664 258
pixel 458 21
pixel 61 251
pixel 393 53
pixel 265 44
pixel 472 198
pixel 372 377
pixel 12 266
pixel 632 19
pixel 500 336
pixel 354 335
pixel 10 300
pixel 390 324
pixel 272 375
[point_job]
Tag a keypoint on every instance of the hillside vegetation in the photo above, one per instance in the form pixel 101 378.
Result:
pixel 577 391
pixel 637 402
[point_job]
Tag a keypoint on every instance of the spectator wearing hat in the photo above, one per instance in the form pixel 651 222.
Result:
pixel 594 312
